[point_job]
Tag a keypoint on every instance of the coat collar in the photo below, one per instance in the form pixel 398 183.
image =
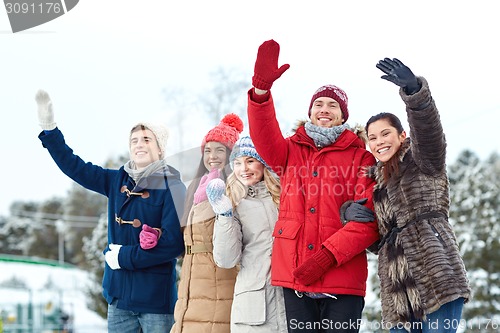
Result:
pixel 258 190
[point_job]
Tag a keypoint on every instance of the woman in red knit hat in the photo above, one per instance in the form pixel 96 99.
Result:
pixel 205 290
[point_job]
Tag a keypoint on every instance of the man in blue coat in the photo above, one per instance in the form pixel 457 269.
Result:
pixel 145 200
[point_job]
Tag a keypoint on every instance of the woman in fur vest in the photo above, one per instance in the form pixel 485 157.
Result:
pixel 423 282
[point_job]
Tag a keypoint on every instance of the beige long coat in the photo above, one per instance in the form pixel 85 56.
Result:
pixel 205 290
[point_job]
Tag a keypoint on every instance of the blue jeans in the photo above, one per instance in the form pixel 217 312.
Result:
pixel 444 320
pixel 124 321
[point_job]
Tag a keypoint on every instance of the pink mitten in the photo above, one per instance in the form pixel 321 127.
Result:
pixel 201 192
pixel 148 237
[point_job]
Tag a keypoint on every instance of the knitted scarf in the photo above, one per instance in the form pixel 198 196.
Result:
pixel 138 174
pixel 323 136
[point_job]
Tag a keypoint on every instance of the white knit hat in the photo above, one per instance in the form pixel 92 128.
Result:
pixel 160 132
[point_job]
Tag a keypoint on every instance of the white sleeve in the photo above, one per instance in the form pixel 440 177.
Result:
pixel 227 241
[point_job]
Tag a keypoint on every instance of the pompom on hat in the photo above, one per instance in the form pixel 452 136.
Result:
pixel 226 132
pixel 160 132
pixel 334 92
pixel 245 147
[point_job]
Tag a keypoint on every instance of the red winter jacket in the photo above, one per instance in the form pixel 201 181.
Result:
pixel 315 183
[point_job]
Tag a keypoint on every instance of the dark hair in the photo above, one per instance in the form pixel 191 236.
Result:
pixel 391 118
pixel 138 128
pixel 202 169
pixel 391 167
pixel 200 172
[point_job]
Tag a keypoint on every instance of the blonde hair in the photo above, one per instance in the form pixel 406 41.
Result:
pixel 236 191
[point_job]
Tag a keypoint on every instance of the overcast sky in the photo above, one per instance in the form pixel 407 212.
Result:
pixel 106 64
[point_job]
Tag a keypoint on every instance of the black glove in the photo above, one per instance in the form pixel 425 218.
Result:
pixel 355 211
pixel 399 74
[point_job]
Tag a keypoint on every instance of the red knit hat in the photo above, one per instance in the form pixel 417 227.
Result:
pixel 333 92
pixel 226 132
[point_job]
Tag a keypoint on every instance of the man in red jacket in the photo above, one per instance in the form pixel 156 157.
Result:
pixel 320 263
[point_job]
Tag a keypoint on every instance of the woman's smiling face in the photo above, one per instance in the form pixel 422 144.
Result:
pixel 214 155
pixel 384 139
pixel 248 170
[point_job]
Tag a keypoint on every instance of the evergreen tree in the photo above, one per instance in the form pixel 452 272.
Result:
pixel 46 238
pixel 17 233
pixel 372 312
pixel 475 211
pixel 81 210
pixel 92 248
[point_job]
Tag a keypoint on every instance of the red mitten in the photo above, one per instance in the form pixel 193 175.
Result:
pixel 314 268
pixel 148 238
pixel 200 194
pixel 266 69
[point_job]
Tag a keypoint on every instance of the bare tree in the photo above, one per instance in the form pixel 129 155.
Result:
pixel 228 94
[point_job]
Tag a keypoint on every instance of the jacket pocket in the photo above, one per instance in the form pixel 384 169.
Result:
pixel 249 303
pixel 287 229
pixel 244 285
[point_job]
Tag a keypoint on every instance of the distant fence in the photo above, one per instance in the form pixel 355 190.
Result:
pixel 26 318
pixel 34 261
pixel 40 310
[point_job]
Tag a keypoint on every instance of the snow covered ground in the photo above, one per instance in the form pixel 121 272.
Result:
pixel 46 288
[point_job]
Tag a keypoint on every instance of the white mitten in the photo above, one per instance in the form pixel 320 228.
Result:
pixel 112 256
pixel 45 113
pixel 221 204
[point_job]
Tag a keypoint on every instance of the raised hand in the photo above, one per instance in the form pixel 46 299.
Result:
pixel 201 192
pixel 266 69
pixel 45 112
pixel 221 204
pixel 399 74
